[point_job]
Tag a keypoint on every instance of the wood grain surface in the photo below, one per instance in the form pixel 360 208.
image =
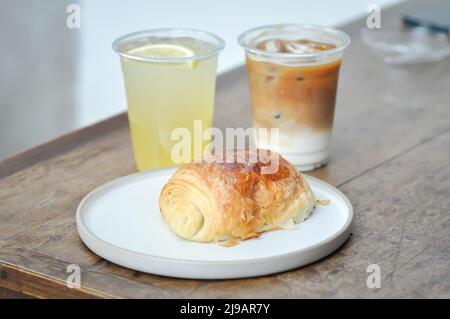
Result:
pixel 390 156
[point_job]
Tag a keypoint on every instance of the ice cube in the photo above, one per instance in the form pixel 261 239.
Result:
pixel 298 48
pixel 273 45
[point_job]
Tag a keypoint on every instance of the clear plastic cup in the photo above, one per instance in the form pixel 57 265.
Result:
pixel 293 73
pixel 165 93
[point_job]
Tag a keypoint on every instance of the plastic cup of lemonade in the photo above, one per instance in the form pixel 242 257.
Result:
pixel 170 78
pixel 293 73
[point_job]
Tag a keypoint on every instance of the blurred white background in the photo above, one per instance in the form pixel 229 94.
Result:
pixel 54 80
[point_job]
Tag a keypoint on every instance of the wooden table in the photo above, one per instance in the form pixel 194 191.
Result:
pixel 390 156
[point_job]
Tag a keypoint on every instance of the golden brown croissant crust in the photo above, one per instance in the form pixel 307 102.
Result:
pixel 216 201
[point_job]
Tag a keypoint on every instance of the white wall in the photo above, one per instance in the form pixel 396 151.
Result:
pixel 101 92
pixel 38 63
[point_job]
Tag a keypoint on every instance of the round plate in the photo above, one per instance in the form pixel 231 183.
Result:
pixel 120 221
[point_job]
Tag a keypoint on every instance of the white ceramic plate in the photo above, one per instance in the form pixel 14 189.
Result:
pixel 120 221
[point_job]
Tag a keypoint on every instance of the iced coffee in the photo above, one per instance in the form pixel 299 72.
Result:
pixel 293 73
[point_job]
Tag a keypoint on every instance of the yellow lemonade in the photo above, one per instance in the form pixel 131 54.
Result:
pixel 170 87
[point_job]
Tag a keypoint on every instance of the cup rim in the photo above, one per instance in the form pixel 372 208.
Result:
pixel 216 50
pixel 244 43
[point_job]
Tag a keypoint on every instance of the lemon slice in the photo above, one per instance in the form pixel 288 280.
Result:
pixel 165 51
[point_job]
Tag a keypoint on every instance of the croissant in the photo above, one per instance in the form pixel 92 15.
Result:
pixel 222 199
